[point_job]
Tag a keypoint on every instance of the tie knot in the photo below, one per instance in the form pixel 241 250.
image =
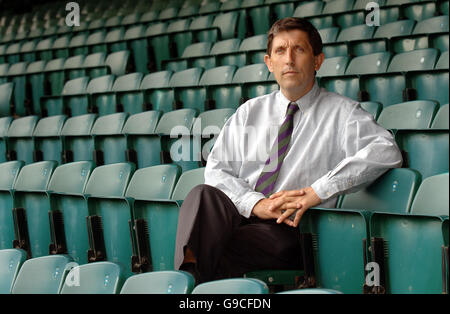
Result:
pixel 292 108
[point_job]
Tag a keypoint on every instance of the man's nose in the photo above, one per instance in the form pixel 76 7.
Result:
pixel 290 56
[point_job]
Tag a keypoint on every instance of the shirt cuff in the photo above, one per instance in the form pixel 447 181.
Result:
pixel 248 201
pixel 324 188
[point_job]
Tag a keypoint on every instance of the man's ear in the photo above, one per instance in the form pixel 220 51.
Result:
pixel 318 60
pixel 268 62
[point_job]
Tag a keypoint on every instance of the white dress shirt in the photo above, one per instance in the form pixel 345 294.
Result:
pixel 336 147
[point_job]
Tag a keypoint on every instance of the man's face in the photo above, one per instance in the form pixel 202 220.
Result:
pixel 293 63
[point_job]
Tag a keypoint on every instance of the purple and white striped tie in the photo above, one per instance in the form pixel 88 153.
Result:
pixel 269 174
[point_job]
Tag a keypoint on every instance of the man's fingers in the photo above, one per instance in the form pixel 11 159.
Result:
pixel 286 215
pixel 288 193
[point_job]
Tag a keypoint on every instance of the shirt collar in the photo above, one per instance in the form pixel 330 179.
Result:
pixel 303 102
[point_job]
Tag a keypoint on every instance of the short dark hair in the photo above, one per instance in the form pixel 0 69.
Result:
pixel 291 23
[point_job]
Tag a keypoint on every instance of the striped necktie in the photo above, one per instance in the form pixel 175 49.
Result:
pixel 269 174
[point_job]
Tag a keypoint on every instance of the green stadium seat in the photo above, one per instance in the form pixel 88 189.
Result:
pixel 259 15
pixel 72 100
pixel 424 150
pixel 43 49
pixel 168 13
pixel 143 144
pixel 232 286
pixel 69 210
pixel 159 282
pixel 73 67
pixel 419 11
pixel 329 34
pixel 10 262
pixel 375 86
pixel 31 206
pixel 393 192
pixel 193 56
pixel 417 114
pixel 27 51
pixel 309 8
pixel 177 37
pixel 226 52
pixel 114 40
pixel 159 42
pixel 443 61
pixel 19 139
pixel 54 75
pixel 16 74
pixel 76 136
pixel 3 71
pixel 372 107
pixel 369 64
pixel 77 45
pixel 6 93
pixel 94 278
pixel 109 143
pixel 432 25
pixel 350 19
pixel 42 275
pixel 187 93
pixel 36 80
pixel 161 215
pixel 439 41
pixel 422 59
pixel 92 65
pixel 100 102
pixel 398 28
pixel 253 79
pixel 47 142
pixel 428 84
pixel 5 122
pixel 10 171
pixel 230 26
pixel 60 47
pixel 333 66
pixel 432 197
pixel 440 121
pixel 358 32
pixel 221 93
pixel 13 53
pixel 109 213
pixel 95 42
pixel 157 94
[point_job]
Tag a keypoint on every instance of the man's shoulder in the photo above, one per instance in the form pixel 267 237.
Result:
pixel 337 101
pixel 255 103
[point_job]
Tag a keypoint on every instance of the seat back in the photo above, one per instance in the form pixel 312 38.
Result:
pixel 417 114
pixel 48 145
pixel 187 182
pixel 159 282
pixel 10 262
pixel 421 59
pixel 20 140
pixel 440 121
pixel 6 91
pixel 42 275
pixel 77 141
pixel 372 63
pixel 432 196
pixel 232 286
pixel 333 66
pixel 94 278
pixel 393 192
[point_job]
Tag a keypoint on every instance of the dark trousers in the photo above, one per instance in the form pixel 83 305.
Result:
pixel 226 244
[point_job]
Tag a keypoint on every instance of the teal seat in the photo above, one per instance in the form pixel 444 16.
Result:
pixel 443 61
pixel 372 107
pixel 407 243
pixel 19 139
pixel 43 49
pixel 10 262
pixel 93 65
pixel 94 278
pixel 193 56
pixel 187 93
pixel 311 291
pixel 143 144
pixel 376 85
pixel 417 114
pixel 253 79
pixel 230 25
pixel 440 121
pixel 398 28
pixel 72 101
pixel 117 63
pixel 424 150
pixel 134 36
pixel 31 206
pixel 258 13
pixel 17 75
pixel 358 32
pixel 54 76
pixel 77 44
pixel 114 40
pixel 220 92
pixel 13 52
pixel 109 213
pixel 180 39
pixel 69 210
pixel 157 94
pixel 159 282
pixel 309 9
pixel 432 25
pixel 95 41
pixel 160 214
pixel 225 52
pixel 10 171
pixel 170 128
pixel 73 67
pixel 78 143
pixel 60 46
pixel 393 192
pixel 109 143
pixel 100 102
pixel 432 197
pixel 42 275
pixel 36 79
pixel 158 42
pixel 369 64
pixel 419 11
pixel 47 142
pixel 430 85
pixel 232 286
pixel 6 92
pixel 329 34
pixel 333 66
pixel 5 122
pixel 422 59
pixel 345 20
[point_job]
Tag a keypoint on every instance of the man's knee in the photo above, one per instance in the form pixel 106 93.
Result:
pixel 203 189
